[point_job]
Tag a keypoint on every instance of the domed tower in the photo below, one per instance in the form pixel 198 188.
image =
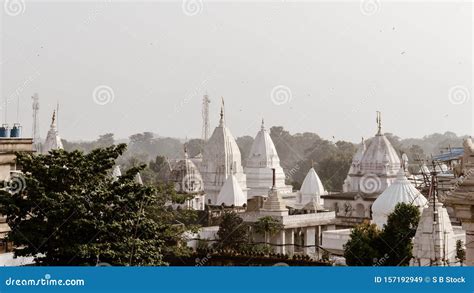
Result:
pixel 400 191
pixel 221 158
pixel 377 168
pixel 187 179
pixel 262 159
pixel 53 141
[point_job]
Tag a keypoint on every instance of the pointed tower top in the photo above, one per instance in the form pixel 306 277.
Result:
pixel 221 121
pixel 185 150
pixel 53 120
pixel 379 123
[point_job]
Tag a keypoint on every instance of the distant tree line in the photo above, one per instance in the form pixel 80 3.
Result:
pixel 298 152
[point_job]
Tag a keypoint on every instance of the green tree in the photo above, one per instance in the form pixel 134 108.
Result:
pixel 71 212
pixel 362 247
pixel 233 232
pixel 105 140
pixel 460 252
pixel 396 238
pixel 267 226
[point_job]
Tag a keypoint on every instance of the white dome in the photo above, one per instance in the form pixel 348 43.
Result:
pixel 231 193
pixel 312 188
pixel 380 157
pixel 399 191
pixel 379 160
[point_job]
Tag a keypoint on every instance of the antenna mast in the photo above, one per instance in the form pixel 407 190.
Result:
pixel 205 117
pixel 35 128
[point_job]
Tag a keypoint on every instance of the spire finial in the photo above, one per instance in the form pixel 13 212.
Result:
pixel 379 123
pixel 263 124
pixel 186 149
pixel 221 122
pixel 53 119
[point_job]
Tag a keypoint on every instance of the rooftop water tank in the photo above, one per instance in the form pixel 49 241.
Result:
pixel 4 131
pixel 16 130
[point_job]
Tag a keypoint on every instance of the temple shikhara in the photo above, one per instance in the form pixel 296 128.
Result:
pixel 315 222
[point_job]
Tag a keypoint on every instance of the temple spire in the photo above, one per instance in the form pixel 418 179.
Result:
pixel 185 150
pixel 379 123
pixel 222 121
pixel 53 120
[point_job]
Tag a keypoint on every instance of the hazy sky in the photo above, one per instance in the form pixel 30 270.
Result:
pixel 330 66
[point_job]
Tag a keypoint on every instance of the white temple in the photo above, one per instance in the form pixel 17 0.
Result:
pixel 221 158
pixel 262 159
pixel 400 191
pixel 116 173
pixel 187 179
pixel 435 239
pixel 231 193
pixel 53 141
pixel 311 189
pixel 378 160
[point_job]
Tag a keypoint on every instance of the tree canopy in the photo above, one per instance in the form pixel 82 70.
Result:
pixel 70 211
pixel 233 232
pixel 391 246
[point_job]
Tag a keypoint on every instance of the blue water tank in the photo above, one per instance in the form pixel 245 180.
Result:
pixel 16 130
pixel 4 131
